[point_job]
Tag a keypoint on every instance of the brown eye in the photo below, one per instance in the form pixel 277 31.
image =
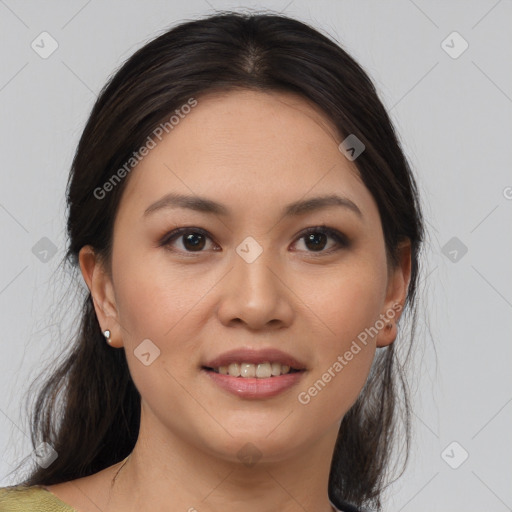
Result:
pixel 192 240
pixel 316 239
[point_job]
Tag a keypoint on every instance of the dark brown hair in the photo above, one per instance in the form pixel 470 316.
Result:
pixel 89 408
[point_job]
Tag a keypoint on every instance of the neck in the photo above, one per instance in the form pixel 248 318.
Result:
pixel 164 472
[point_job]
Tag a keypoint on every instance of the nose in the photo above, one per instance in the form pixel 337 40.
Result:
pixel 256 294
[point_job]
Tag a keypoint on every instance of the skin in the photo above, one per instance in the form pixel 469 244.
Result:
pixel 255 153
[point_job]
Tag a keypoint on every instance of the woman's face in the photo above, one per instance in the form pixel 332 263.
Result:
pixel 248 277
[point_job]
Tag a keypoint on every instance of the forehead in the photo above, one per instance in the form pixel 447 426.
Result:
pixel 265 147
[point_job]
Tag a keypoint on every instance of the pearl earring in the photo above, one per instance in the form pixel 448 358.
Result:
pixel 107 336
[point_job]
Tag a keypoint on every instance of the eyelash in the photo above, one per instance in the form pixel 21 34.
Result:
pixel 340 239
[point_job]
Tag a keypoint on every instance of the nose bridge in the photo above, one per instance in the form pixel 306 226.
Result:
pixel 253 264
pixel 254 292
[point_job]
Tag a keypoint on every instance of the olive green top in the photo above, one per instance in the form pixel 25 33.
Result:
pixel 38 499
pixel 31 499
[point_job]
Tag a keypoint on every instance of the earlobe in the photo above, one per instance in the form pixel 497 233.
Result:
pixel 100 286
pixel 388 334
pixel 398 286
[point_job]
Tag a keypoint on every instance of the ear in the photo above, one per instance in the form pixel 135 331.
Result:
pixel 102 291
pixel 396 293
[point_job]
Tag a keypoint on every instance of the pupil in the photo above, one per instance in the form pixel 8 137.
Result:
pixel 313 237
pixel 194 244
pixel 314 241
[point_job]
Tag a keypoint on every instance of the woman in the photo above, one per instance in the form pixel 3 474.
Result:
pixel 249 232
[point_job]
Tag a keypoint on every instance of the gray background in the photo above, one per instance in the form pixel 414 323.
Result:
pixel 454 119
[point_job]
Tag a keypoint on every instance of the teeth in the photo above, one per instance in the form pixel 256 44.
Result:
pixel 263 371
pixel 234 369
pixel 249 370
pixel 276 369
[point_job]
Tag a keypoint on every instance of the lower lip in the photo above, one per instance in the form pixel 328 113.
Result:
pixel 253 387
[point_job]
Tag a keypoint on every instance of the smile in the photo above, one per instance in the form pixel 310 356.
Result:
pixel 249 370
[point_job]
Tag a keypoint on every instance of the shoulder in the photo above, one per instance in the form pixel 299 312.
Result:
pixel 34 498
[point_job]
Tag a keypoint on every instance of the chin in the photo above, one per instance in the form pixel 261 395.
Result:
pixel 250 445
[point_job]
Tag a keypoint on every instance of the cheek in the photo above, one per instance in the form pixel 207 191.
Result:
pixel 157 303
pixel 349 306
pixel 151 296
pixel 351 301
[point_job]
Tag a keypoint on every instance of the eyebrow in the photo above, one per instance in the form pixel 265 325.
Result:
pixel 205 205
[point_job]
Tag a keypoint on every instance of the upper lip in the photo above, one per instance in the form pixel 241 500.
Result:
pixel 247 355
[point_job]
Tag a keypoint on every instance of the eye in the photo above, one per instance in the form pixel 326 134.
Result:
pixel 192 239
pixel 315 239
pixel 195 239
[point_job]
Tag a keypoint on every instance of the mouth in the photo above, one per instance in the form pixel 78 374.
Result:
pixel 250 373
pixel 251 381
pixel 264 370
